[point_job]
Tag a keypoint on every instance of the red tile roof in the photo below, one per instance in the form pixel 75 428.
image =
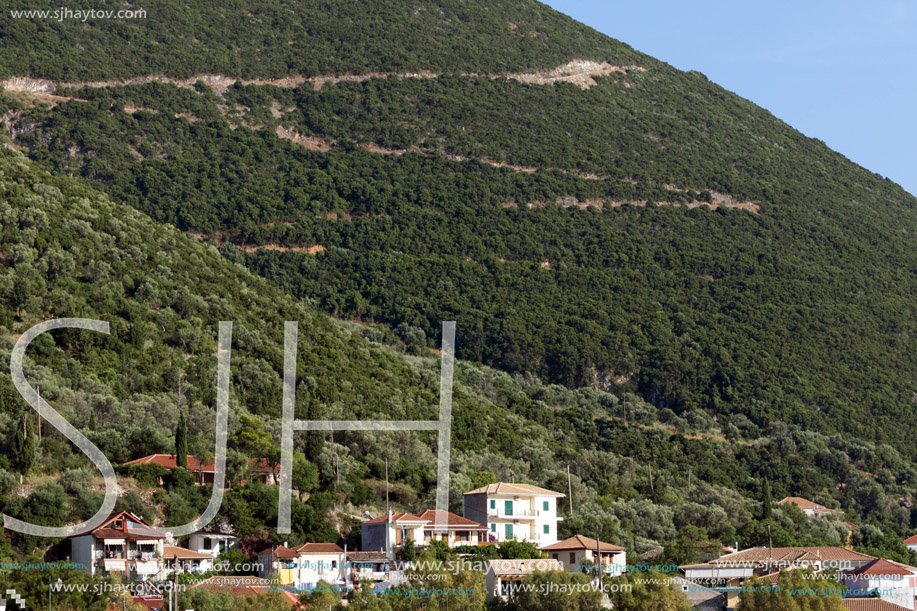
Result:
pixel 170 551
pixel 450 520
pixel 169 461
pixel 280 552
pixel 912 540
pixel 396 518
pixel 881 566
pixel 319 548
pixel 514 489
pixel 580 542
pixel 806 504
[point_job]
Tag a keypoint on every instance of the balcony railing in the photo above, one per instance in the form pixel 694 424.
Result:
pixel 500 512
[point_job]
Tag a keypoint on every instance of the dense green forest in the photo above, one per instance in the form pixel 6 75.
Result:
pixel 795 310
pixel 641 476
pixel 694 363
pixel 280 38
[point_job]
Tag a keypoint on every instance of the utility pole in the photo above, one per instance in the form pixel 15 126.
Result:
pixel 569 488
pixel 386 486
pixel 598 558
pixel 770 544
pixel 38 396
pixel 337 481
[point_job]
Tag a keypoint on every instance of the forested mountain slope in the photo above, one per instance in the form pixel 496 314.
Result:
pixel 66 250
pixel 562 225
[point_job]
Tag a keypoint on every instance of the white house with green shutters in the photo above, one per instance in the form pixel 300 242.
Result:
pixel 515 511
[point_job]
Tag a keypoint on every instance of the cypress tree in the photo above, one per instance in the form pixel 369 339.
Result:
pixel 315 440
pixel 26 445
pixel 92 420
pixel 181 441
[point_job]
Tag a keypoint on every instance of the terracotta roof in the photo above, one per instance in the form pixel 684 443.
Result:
pixel 912 540
pixel 851 525
pixel 129 535
pixel 170 551
pixel 505 568
pixel 870 604
pixel 318 548
pixel 881 566
pixel 169 462
pixel 280 552
pixel 396 517
pixel 515 489
pixel 450 520
pixel 787 556
pixel 581 542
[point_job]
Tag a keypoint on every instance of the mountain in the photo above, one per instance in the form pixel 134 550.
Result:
pixel 601 226
pixel 602 218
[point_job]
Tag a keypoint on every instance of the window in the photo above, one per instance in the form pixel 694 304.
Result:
pixel 547 529
pixel 493 504
pixel 554 556
pixel 508 507
pixel 208 544
pixel 493 527
pixel 547 506
pixel 509 531
pixel 334 564
pixel 572 558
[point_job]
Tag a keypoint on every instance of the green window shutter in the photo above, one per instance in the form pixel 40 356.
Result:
pixel 547 529
pixel 493 504
pixel 509 531
pixel 493 527
pixel 546 504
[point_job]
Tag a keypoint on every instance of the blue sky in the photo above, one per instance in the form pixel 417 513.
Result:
pixel 843 72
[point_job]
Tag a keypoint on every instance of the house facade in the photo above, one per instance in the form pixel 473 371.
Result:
pixel 183 560
pixel 810 508
pixel 579 554
pixel 123 544
pixel 212 543
pixel 503 576
pixel 453 529
pixel 367 567
pixel 304 566
pixel 520 512
pixel 385 533
pixel 729 572
pixel 890 581
pixel 266 471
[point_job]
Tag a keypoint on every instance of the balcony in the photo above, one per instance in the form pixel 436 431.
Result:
pixel 516 513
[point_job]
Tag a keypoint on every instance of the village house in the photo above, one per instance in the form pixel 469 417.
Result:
pixel 911 542
pixel 204 472
pixel 385 533
pixel 453 529
pixel 808 507
pixel 520 512
pixel 124 543
pixel 578 554
pixel 212 543
pixel 503 576
pixel 304 566
pixel 182 560
pixel 729 572
pixel 368 566
pixel 890 581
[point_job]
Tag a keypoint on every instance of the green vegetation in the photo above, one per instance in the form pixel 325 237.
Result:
pixel 280 37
